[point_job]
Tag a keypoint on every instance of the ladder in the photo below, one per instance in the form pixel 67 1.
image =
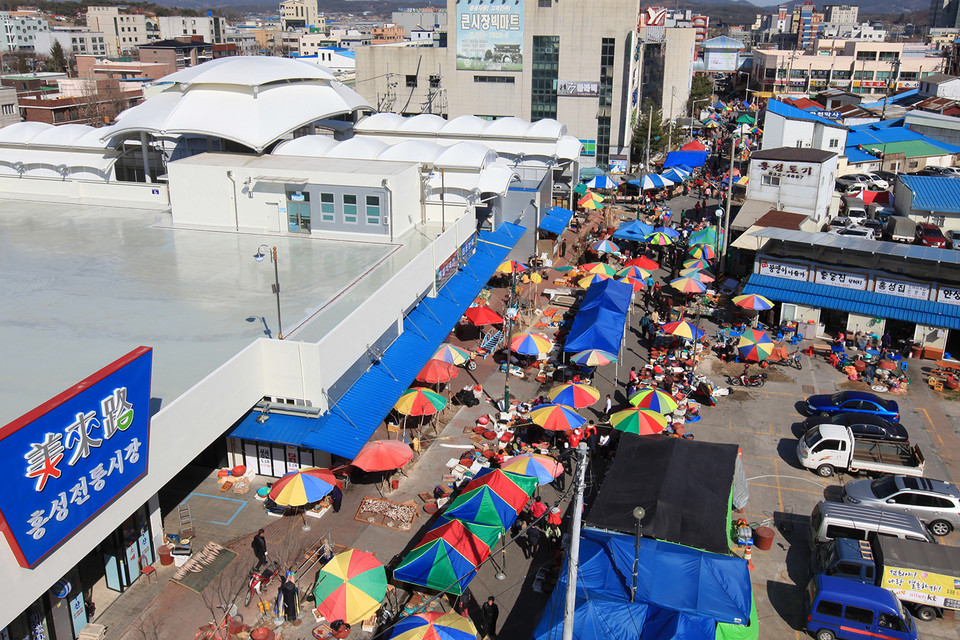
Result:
pixel 186 523
pixel 490 342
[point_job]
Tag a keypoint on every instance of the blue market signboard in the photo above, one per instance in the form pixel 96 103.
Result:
pixel 70 458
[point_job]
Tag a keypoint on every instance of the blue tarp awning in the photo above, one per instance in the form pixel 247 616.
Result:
pixel 556 219
pixel 347 426
pixel 689 158
pixel 599 323
pixel 868 303
pixel 681 592
pixel 633 230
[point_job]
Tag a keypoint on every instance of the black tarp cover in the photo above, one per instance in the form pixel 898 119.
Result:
pixel 684 485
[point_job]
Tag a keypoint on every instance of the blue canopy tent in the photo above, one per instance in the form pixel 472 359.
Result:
pixel 633 230
pixel 652 181
pixel 599 323
pixel 674 175
pixel 688 158
pixel 555 220
pixel 682 593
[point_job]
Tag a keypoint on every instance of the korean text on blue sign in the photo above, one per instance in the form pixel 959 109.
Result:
pixel 69 458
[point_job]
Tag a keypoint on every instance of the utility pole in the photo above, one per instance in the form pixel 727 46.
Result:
pixel 506 379
pixel 643 168
pixel 726 216
pixel 573 560
pixel 892 80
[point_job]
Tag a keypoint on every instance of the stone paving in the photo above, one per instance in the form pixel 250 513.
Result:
pixel 762 421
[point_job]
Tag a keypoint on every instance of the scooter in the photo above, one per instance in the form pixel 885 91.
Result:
pixel 259 579
pixel 745 380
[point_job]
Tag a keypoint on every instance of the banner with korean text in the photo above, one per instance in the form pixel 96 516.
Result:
pixel 490 35
pixel 68 459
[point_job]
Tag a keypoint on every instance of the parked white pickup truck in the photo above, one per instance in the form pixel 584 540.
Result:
pixel 830 447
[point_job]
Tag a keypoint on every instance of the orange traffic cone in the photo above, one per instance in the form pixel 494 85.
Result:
pixel 747 556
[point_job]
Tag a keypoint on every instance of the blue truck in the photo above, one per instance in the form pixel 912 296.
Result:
pixel 925 576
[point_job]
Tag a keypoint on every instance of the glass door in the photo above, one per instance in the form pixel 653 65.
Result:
pixel 298 211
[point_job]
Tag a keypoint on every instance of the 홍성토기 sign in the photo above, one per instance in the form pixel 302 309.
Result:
pixel 69 458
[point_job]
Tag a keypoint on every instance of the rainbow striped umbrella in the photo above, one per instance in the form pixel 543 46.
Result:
pixel 448 556
pixel 753 301
pixel 513 488
pixel 634 271
pixel 511 266
pixel 697 263
pixel 574 394
pixel 592 204
pixel 351 586
pixel 605 246
pixel 593 358
pixel 682 329
pixel 688 284
pixel 755 345
pixel 599 268
pixel 420 402
pixel 642 422
pixel 530 344
pixel 453 355
pixel 643 262
pixel 556 417
pixel 592 279
pixel 434 625
pixel 580 189
pixel 704 236
pixel 696 273
pixel 636 283
pixel 659 238
pixel 703 251
pixel 543 468
pixel 303 487
pixel 654 400
pixel 590 198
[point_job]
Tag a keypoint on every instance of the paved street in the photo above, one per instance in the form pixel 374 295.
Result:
pixel 764 422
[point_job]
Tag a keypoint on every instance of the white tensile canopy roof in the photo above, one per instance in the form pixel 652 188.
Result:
pixel 250 100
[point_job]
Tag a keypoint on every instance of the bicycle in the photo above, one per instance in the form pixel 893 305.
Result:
pixel 212 630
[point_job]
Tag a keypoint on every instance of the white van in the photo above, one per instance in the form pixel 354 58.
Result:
pixel 831 520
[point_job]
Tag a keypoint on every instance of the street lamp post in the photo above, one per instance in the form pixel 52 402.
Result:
pixel 638 513
pixel 262 251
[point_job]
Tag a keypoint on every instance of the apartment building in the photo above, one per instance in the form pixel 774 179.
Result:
pixel 211 28
pixel 75 41
pixel 857 66
pixel 18 32
pixel 298 14
pixel 123 32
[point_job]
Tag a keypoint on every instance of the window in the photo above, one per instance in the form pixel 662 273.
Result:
pixel 890 621
pixel 373 209
pixel 326 207
pixel 863 75
pixel 857 614
pixel 544 4
pixel 434 82
pixel 832 609
pixel 350 208
pixel 543 83
pixel 866 55
pixel 497 79
pixel 903 498
pixel 411 80
pixel 772 181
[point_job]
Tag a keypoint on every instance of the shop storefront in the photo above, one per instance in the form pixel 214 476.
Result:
pixel 869 292
pixel 275 460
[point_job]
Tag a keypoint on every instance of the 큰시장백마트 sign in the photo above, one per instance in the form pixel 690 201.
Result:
pixel 68 459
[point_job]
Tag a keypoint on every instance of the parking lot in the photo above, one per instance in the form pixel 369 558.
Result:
pixel 766 422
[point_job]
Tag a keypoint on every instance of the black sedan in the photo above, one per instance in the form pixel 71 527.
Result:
pixel 863 425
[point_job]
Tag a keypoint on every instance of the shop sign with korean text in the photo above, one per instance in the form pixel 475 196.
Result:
pixel 948 295
pixel 912 290
pixel 783 270
pixel 70 458
pixel 838 278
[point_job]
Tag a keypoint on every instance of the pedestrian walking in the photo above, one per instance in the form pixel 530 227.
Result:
pixel 336 497
pixel 290 600
pixel 563 248
pixel 553 536
pixel 534 536
pixel 538 508
pixel 607 407
pixel 259 544
pixel 490 612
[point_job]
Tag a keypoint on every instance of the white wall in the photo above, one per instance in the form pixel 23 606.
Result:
pixel 118 194
pixel 809 194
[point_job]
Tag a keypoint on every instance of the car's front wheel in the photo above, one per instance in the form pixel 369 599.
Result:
pixel 825 634
pixel 940 527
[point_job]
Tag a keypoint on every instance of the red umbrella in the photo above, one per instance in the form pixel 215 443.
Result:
pixel 482 314
pixel 383 455
pixel 436 371
pixel 643 262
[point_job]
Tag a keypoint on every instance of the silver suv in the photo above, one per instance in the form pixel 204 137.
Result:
pixel 935 502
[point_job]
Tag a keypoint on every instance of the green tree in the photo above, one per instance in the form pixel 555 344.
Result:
pixel 58 59
pixel 658 138
pixel 701 88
